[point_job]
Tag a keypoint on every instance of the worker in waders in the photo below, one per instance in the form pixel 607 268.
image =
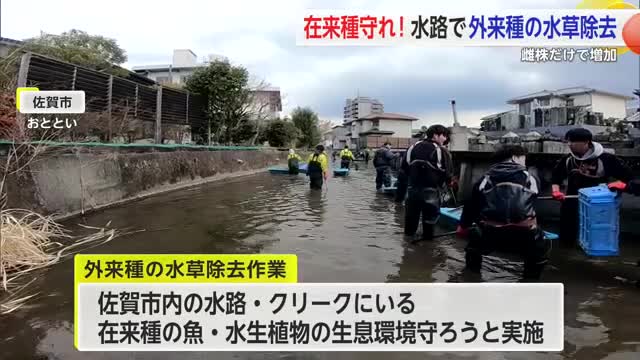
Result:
pixel 402 181
pixel 586 165
pixel 502 207
pixel 294 162
pixel 317 168
pixel 382 161
pixel 428 167
pixel 346 157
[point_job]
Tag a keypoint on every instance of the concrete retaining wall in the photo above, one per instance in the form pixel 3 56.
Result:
pixel 71 183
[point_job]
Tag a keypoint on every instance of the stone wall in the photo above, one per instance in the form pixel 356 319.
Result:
pixel 73 182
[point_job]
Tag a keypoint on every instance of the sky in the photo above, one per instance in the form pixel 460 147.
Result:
pixel 260 35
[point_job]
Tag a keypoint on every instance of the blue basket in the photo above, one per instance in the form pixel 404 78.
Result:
pixel 599 221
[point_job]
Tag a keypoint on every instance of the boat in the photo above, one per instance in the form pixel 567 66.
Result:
pixel 389 190
pixel 285 169
pixel 454 215
pixel 340 172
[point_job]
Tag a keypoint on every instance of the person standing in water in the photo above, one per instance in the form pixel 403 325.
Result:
pixel 294 162
pixel 346 157
pixel 586 165
pixel 317 168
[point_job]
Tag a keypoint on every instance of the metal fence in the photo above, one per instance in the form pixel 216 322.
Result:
pixel 115 97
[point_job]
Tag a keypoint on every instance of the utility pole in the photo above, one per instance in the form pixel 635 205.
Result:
pixel 455 115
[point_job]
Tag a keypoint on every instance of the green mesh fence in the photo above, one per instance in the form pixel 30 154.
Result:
pixel 156 146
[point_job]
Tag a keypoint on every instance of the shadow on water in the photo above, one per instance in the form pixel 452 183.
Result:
pixel 346 233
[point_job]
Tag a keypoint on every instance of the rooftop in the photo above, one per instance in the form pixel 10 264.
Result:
pixel 554 131
pixel 165 67
pixel 565 92
pixel 493 116
pixel 376 132
pixel 8 41
pixel 269 89
pixel 388 116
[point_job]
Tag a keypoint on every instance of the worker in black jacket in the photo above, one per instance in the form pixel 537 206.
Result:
pixel 502 207
pixel 382 161
pixel 428 167
pixel 585 166
pixel 402 181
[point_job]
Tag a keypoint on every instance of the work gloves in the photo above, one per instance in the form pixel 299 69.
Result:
pixel 617 186
pixel 462 232
pixel 558 195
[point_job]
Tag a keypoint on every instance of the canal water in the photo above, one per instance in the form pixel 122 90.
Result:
pixel 346 233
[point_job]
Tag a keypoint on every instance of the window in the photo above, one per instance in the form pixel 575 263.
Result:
pixel 525 108
pixel 185 79
pixel 544 102
pixel 570 102
pixel 375 124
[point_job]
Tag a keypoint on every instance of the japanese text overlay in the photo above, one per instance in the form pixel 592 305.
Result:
pixel 319 317
pixel 552 27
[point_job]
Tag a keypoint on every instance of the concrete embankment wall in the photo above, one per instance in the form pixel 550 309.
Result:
pixel 74 181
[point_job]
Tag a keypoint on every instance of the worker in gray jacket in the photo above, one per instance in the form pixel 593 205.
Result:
pixel 382 162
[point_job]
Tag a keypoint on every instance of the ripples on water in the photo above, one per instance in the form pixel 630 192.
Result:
pixel 346 233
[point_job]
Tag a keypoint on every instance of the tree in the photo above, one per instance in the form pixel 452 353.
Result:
pixel 280 133
pixel 80 48
pixel 244 132
pixel 228 98
pixel 260 107
pixel 307 123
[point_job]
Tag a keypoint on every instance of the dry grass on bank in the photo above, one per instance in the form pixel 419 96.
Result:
pixel 30 242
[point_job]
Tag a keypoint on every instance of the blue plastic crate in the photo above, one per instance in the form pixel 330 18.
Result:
pixel 599 221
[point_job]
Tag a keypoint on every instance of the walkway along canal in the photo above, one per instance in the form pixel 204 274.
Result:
pixel 347 233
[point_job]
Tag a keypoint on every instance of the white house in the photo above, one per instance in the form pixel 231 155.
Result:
pixel 266 101
pixel 570 106
pixel 184 63
pixel 337 137
pixel 387 126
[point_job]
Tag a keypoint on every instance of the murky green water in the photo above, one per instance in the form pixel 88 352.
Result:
pixel 347 233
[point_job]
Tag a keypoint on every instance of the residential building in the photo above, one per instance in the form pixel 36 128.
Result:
pixel 184 63
pixel 360 107
pixel 374 129
pixel 267 101
pixel 570 106
pixel 506 120
pixel 337 137
pixel 8 45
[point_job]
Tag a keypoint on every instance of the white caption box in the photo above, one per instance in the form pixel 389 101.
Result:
pixel 52 102
pixel 620 17
pixel 529 313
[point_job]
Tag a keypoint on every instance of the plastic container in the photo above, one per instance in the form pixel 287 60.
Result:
pixel 599 221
